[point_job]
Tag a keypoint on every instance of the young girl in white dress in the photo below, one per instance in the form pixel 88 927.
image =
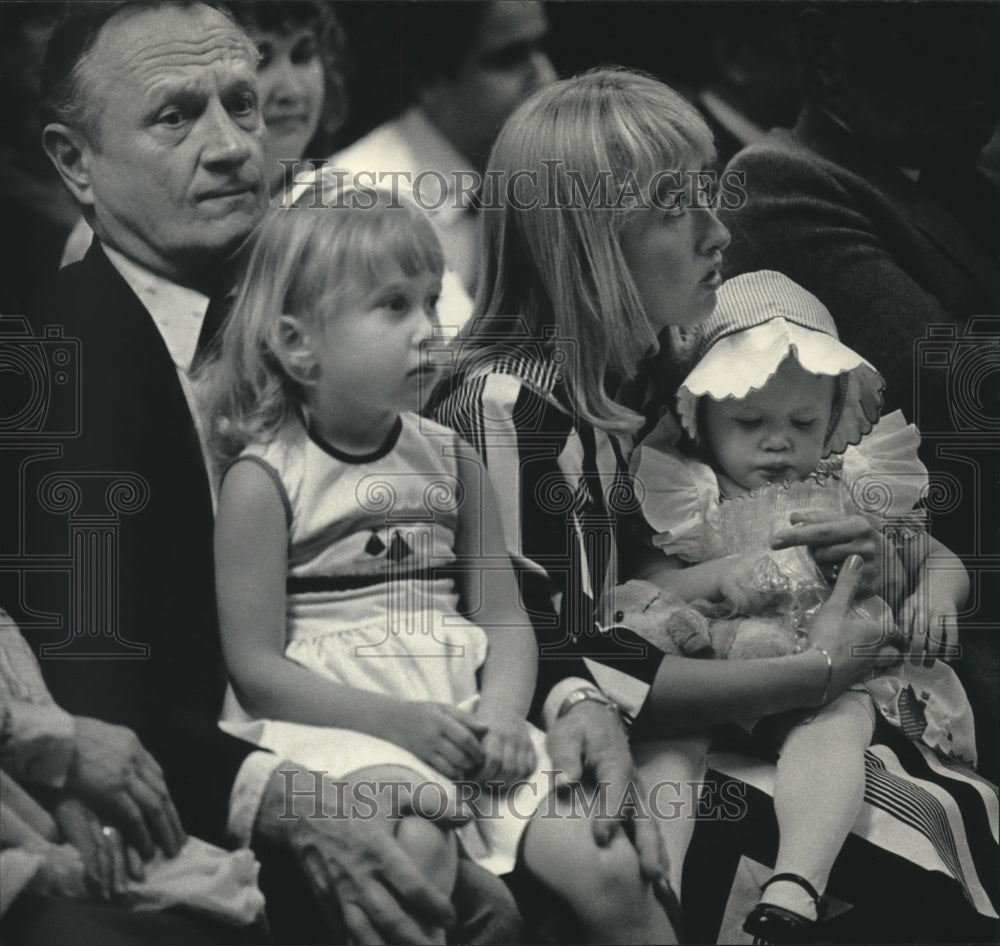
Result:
pixel 368 608
pixel 780 418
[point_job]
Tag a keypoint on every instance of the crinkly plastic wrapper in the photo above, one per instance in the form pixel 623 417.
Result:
pixel 784 584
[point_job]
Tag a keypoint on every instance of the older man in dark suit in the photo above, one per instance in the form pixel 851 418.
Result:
pixel 155 128
pixel 874 203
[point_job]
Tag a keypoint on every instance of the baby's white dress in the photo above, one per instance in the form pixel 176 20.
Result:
pixel 881 477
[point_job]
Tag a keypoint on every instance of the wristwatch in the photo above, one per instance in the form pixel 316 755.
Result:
pixel 591 694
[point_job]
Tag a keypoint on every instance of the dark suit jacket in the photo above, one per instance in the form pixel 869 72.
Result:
pixel 135 419
pixel 886 255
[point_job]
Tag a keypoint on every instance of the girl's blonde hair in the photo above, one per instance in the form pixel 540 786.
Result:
pixel 334 251
pixel 558 266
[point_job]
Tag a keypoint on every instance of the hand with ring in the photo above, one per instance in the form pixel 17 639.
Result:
pixel 107 861
pixel 120 780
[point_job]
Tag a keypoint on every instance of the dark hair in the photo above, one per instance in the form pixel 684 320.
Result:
pixel 71 42
pixel 287 16
pixel 436 38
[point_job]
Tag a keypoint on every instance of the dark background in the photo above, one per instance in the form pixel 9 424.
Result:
pixel 669 39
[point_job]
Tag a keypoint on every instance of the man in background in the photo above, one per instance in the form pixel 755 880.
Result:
pixel 466 67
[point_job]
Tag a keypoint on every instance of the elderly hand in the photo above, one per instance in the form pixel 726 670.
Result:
pixel 107 863
pixel 61 873
pixel 359 873
pixel 831 538
pixel 120 780
pixel 591 738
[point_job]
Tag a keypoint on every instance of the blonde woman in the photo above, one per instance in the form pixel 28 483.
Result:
pixel 598 237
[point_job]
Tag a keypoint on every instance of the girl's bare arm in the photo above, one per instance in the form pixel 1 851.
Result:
pixel 489 594
pixel 251 539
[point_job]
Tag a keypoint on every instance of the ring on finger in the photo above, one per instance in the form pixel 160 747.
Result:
pixel 108 831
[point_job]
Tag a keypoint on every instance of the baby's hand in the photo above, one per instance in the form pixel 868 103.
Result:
pixel 929 625
pixel 443 735
pixel 509 753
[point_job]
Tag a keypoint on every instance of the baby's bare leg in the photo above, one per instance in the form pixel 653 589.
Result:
pixel 603 886
pixel 818 791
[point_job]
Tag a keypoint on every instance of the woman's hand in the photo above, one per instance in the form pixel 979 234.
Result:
pixel 856 644
pixel 509 753
pixel 117 777
pixel 831 538
pixel 107 862
pixel 444 736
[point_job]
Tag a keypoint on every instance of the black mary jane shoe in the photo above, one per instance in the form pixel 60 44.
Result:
pixel 768 923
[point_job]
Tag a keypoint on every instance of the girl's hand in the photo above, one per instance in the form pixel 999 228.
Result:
pixel 929 625
pixel 831 538
pixel 107 861
pixel 509 753
pixel 443 735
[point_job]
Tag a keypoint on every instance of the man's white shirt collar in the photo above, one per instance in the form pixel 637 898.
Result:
pixel 177 311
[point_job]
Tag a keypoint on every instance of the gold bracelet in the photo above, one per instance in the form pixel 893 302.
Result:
pixel 829 675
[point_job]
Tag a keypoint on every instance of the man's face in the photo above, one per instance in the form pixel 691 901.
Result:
pixel 504 65
pixel 176 162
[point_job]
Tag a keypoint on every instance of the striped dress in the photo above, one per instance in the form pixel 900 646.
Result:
pixel 563 491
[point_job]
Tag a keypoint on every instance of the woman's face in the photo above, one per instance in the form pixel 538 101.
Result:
pixel 292 89
pixel 674 257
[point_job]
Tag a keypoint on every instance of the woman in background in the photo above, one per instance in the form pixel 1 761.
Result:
pixel 300 77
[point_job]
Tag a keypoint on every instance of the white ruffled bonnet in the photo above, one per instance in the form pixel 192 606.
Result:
pixel 759 320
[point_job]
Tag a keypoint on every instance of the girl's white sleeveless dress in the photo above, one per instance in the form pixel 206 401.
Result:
pixel 368 607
